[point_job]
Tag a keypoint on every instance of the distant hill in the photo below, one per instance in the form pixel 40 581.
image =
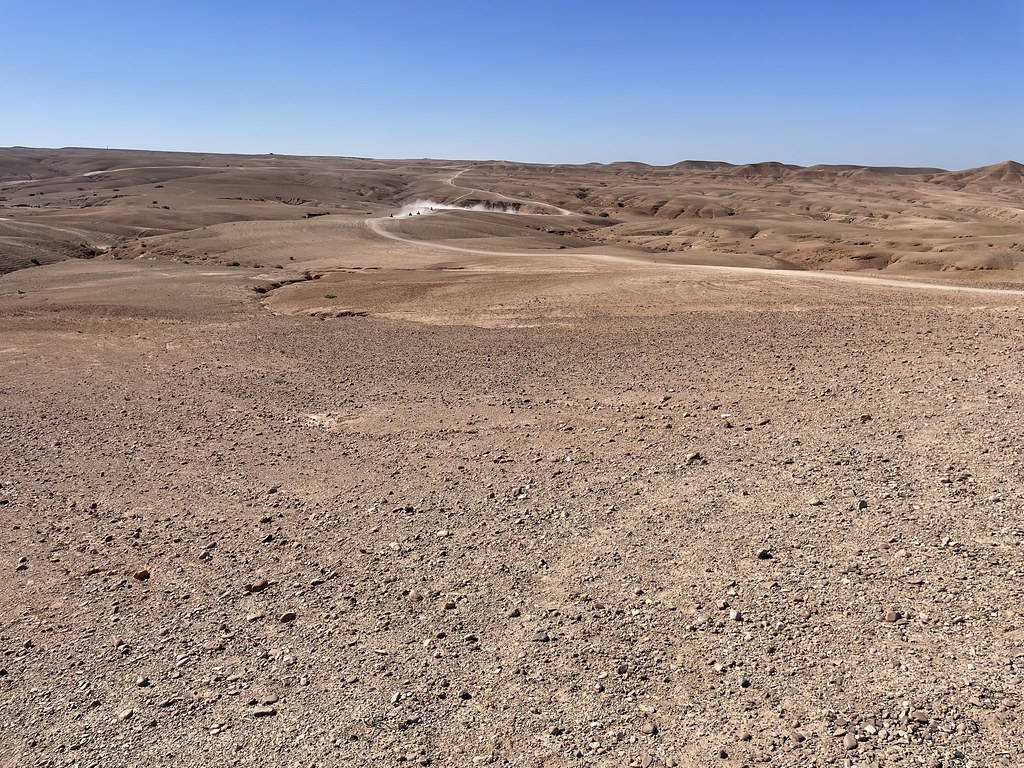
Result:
pixel 1007 173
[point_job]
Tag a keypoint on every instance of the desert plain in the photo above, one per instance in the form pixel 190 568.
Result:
pixel 322 461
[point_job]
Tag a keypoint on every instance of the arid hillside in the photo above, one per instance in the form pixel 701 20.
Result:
pixel 344 462
pixel 86 203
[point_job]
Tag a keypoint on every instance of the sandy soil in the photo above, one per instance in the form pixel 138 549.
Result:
pixel 357 490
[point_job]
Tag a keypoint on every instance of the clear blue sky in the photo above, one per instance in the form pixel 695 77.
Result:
pixel 903 82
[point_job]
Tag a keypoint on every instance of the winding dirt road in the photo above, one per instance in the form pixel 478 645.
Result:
pixel 450 180
pixel 75 232
pixel 376 225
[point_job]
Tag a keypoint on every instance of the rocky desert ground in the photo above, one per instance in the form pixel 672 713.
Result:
pixel 313 461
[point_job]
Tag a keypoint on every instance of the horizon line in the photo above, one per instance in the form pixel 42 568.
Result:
pixel 922 168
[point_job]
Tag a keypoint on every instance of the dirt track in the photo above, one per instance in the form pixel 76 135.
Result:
pixel 380 227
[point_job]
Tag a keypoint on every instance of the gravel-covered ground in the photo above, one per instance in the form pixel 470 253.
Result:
pixel 787 530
